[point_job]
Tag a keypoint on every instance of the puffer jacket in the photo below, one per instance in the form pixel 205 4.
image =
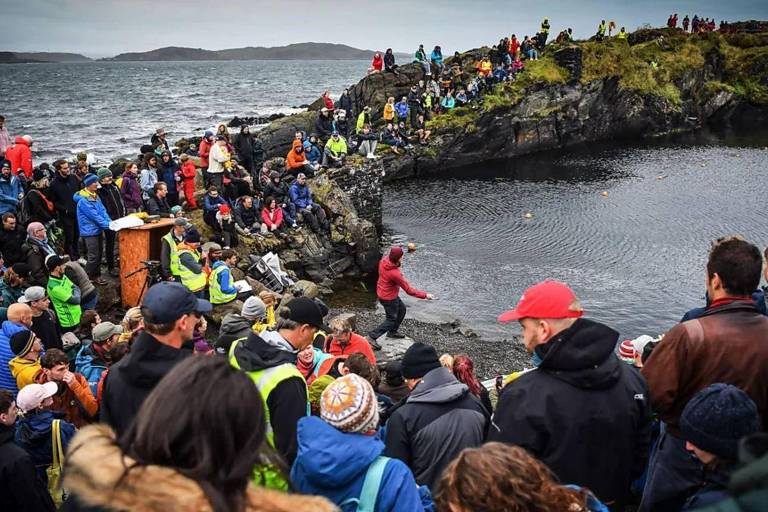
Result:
pixel 333 464
pixel 7 380
pixel 33 433
pixel 582 412
pixel 92 217
pixel 20 156
pixel 10 189
pixel 391 280
pixel 438 419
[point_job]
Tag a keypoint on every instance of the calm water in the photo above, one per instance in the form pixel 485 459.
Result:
pixel 634 257
pixel 112 108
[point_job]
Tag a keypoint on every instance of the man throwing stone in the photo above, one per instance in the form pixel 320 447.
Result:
pixel 388 291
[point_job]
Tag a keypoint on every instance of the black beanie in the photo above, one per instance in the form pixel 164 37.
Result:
pixel 419 360
pixel 717 417
pixel 21 342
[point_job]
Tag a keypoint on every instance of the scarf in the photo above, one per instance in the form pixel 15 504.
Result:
pixel 43 244
pixel 305 368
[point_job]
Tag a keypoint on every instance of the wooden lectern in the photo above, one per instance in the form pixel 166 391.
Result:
pixel 139 244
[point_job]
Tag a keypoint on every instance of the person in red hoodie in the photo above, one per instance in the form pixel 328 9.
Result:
pixel 377 64
pixel 20 156
pixel 205 150
pixel 388 291
pixel 188 173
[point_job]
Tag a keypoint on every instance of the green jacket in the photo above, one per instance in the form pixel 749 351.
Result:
pixel 10 294
pixel 65 297
pixel 336 147
pixel 748 486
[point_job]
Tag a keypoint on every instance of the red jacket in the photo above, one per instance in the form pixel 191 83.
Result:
pixel 188 170
pixel 20 157
pixel 391 280
pixel 204 151
pixel 356 344
pixel 275 217
pixel 377 63
pixel 328 102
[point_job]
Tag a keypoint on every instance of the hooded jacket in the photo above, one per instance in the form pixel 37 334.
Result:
pixel 75 402
pixel 61 192
pixel 7 380
pixel 92 217
pixel 106 485
pixel 130 191
pixel 130 381
pixel 438 419
pixel 294 160
pixel 20 486
pixel 167 172
pixel 287 403
pixel 233 327
pixel 391 280
pixel 582 412
pixel 90 365
pixel 20 156
pixel 333 464
pixel 10 188
pixel 33 433
pixel 24 371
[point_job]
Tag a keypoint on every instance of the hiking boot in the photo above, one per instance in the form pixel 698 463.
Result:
pixel 396 335
pixel 375 346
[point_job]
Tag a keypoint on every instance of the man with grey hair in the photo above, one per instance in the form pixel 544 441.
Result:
pixel 269 358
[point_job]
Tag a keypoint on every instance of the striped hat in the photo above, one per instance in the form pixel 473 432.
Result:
pixel 350 405
pixel 627 351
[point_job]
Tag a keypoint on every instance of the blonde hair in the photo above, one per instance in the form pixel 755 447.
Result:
pixel 340 323
pixel 132 319
pixel 446 360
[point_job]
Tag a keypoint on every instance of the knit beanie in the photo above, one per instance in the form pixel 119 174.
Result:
pixel 717 417
pixel 253 307
pixel 395 253
pixel 419 360
pixel 21 342
pixel 103 173
pixel 627 351
pixel 90 179
pixel 350 405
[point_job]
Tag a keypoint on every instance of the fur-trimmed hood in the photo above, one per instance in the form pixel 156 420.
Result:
pixel 95 464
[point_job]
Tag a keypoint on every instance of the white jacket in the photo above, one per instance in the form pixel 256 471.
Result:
pixel 216 159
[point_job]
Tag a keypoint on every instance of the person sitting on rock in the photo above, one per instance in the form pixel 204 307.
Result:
pixel 324 124
pixel 367 142
pixel 622 35
pixel 363 119
pixel 311 151
pixel 279 191
pixel 247 216
pixel 211 203
pixel 499 74
pixel 343 341
pixel 272 216
pixel 191 272
pixel 377 63
pixel 296 161
pixel 485 69
pixel 389 62
pixel 335 152
pixel 341 124
pixel 436 59
pixel 221 287
pixel 391 138
pixel 420 129
pixel 313 213
pixel 461 97
pixel 225 227
pixel 389 110
pixel 403 133
pixel 401 109
pixel 448 102
pixel 157 204
pixel 517 66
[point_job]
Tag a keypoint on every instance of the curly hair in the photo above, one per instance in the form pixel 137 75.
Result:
pixel 497 477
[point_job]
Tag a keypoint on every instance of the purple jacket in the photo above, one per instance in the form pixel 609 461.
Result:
pixel 131 192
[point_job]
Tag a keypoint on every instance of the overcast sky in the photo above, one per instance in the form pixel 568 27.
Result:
pixel 108 27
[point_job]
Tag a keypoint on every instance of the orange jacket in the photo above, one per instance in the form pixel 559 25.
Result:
pixel 76 401
pixel 295 160
pixel 356 344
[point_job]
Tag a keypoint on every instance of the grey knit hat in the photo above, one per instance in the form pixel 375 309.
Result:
pixel 253 309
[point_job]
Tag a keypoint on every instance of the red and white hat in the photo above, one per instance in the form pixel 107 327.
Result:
pixel 627 351
pixel 549 299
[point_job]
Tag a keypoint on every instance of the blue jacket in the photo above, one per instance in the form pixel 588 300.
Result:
pixel 212 203
pixel 92 217
pixel 311 152
pixel 225 278
pixel 33 433
pixel 436 57
pixel 333 464
pixel 401 109
pixel 9 194
pixel 91 366
pixel 168 175
pixel 7 380
pixel 300 196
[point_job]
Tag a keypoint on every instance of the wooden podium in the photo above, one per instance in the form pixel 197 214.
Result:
pixel 139 244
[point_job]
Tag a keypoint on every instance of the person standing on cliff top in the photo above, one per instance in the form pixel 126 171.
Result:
pixel 387 290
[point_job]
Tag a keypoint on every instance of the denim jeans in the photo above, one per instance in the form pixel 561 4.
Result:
pixel 395 313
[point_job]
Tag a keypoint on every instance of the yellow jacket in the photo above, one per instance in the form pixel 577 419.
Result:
pixel 389 112
pixel 24 370
pixel 259 327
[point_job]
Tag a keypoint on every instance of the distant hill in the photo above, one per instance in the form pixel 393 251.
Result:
pixel 297 51
pixel 22 57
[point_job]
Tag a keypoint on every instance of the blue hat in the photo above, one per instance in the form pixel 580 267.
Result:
pixel 208 133
pixel 166 302
pixel 717 417
pixel 90 179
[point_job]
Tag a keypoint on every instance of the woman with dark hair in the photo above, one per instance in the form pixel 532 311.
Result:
pixel 389 62
pixel 244 148
pixel 175 456
pixel 497 477
pixel 130 190
pixel 149 175
pixel 169 173
pixel 464 371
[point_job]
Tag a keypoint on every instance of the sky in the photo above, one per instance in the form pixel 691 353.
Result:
pixel 100 28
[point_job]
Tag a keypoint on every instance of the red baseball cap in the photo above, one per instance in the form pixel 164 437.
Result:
pixel 549 299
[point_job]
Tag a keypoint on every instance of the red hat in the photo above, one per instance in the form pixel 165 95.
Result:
pixel 395 253
pixel 627 350
pixel 224 209
pixel 549 299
